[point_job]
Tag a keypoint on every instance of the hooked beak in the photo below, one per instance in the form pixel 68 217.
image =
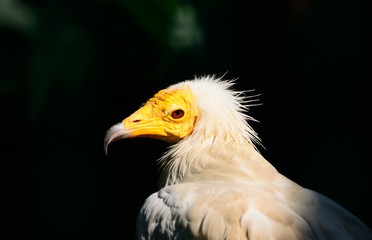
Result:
pixel 145 122
pixel 115 133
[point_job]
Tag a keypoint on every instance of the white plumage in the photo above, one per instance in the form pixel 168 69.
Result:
pixel 214 183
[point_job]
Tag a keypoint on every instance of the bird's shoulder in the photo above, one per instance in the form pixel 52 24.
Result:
pixel 219 209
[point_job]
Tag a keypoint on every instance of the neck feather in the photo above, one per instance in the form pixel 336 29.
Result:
pixel 222 129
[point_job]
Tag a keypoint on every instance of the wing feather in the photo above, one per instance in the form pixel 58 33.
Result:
pixel 211 210
pixel 219 211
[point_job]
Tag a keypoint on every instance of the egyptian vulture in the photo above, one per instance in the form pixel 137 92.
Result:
pixel 214 182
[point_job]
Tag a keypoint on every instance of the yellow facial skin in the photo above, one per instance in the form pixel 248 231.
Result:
pixel 170 116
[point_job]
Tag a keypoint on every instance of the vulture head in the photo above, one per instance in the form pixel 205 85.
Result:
pixel 205 108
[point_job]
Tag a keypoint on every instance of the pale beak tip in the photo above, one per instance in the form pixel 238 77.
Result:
pixel 115 133
pixel 105 145
pixel 105 148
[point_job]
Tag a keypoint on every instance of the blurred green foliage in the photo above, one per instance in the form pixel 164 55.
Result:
pixel 63 38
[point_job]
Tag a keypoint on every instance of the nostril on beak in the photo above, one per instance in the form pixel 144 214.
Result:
pixel 137 120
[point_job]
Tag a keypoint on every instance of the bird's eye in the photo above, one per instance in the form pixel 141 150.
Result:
pixel 177 114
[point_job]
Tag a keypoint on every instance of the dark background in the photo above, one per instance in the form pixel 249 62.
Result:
pixel 71 69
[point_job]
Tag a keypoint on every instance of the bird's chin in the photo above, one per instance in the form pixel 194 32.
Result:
pixel 115 133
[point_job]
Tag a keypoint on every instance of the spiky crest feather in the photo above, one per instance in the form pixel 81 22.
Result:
pixel 223 118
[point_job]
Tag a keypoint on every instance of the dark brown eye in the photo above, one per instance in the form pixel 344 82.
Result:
pixel 177 114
